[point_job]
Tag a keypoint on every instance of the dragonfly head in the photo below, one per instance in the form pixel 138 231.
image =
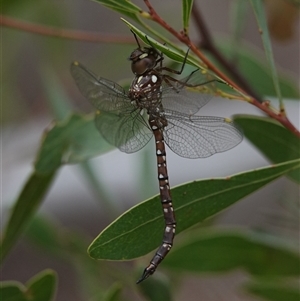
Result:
pixel 143 60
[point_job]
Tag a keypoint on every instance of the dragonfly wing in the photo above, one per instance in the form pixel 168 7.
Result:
pixel 127 130
pixel 102 93
pixel 119 122
pixel 177 96
pixel 184 101
pixel 200 136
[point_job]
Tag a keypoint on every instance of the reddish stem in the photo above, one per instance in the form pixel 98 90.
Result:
pixel 93 37
pixel 62 33
pixel 184 38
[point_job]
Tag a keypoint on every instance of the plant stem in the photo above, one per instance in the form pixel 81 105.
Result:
pixel 181 36
pixel 63 33
pixel 184 38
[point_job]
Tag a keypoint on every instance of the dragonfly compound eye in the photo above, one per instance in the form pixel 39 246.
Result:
pixel 142 61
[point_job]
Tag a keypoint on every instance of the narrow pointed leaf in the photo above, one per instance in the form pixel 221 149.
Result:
pixel 72 140
pixel 259 254
pixel 276 142
pixel 172 53
pixel 186 13
pixel 139 230
pixel 123 7
pixel 263 29
pixel 238 11
pixel 175 54
pixel 26 205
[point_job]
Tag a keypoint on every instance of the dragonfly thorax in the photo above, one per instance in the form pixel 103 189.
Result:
pixel 145 90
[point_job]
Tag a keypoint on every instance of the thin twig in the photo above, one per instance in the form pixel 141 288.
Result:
pixel 184 38
pixel 63 33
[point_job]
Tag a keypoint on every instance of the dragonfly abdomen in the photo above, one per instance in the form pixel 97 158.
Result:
pixel 166 201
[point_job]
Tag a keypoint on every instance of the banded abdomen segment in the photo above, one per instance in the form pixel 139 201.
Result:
pixel 166 201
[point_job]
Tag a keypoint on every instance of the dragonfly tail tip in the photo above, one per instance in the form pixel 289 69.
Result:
pixel 147 272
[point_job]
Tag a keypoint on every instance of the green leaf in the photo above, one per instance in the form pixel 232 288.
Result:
pixel 179 55
pixel 123 7
pixel 42 286
pixel 186 11
pixel 172 53
pixel 215 251
pixel 12 291
pixel 274 291
pixel 72 140
pixel 139 230
pixel 26 205
pixel 237 19
pixel 276 142
pixel 263 29
pixel 39 288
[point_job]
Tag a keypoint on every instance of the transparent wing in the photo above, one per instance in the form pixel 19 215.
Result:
pixel 119 122
pixel 184 101
pixel 199 136
pixel 127 130
pixel 187 100
pixel 102 93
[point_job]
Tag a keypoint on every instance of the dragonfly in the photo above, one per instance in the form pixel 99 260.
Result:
pixel 156 104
